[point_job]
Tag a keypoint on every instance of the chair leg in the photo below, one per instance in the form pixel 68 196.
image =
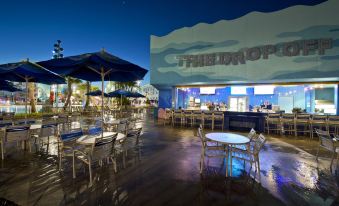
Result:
pixel 2 151
pixel 332 161
pixel 259 169
pixel 73 164
pixel 90 173
pixel 317 153
pixel 114 164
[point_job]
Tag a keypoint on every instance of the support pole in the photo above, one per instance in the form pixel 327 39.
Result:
pixel 26 97
pixel 102 102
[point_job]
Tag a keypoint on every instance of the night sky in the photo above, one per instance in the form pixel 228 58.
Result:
pixel 29 28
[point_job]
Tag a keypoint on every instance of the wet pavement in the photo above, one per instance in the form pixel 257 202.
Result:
pixel 164 170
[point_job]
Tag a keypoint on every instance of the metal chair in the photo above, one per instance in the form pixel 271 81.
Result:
pixel 18 134
pixel 303 124
pixel 319 122
pixel 25 122
pixel 5 123
pixel 209 151
pixel 198 118
pixel 288 123
pixel 208 119
pixel 333 124
pixel 67 143
pixel 188 117
pixel 48 129
pixel 102 149
pixel 251 154
pixel 177 117
pixel 219 120
pixel 327 142
pixel 273 123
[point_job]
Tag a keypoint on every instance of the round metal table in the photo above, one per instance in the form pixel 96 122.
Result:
pixel 228 139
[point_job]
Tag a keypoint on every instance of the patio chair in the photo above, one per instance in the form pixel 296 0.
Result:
pixel 198 118
pixel 48 129
pixel 208 119
pixel 209 149
pixel 333 124
pixel 303 124
pixel 25 121
pixel 5 123
pixel 178 117
pixel 327 142
pixel 188 117
pixel 288 124
pixel 318 122
pixel 273 123
pixel 251 154
pixel 102 149
pixel 219 120
pixel 18 134
pixel 67 143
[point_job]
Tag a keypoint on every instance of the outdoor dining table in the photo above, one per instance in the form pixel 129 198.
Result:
pixel 229 140
pixel 90 139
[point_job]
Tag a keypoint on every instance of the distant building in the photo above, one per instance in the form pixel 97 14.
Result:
pixel 150 92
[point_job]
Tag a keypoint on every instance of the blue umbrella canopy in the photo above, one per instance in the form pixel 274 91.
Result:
pixel 8 86
pixel 91 67
pixel 119 93
pixel 27 71
pixel 136 95
pixel 96 93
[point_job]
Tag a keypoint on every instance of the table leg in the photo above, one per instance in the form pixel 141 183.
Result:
pixel 226 159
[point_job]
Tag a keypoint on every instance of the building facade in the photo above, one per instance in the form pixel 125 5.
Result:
pixel 288 59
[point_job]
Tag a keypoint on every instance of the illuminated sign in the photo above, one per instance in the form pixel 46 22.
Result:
pixel 289 49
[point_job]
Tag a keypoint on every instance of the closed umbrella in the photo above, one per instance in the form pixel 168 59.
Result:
pixel 97 66
pixel 27 71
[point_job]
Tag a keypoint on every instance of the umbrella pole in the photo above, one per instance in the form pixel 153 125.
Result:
pixel 102 102
pixel 26 97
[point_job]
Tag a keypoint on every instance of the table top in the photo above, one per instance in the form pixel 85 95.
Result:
pixel 227 138
pixel 90 139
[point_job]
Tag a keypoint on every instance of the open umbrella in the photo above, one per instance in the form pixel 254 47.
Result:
pixel 120 93
pixel 97 66
pixel 27 71
pixel 96 93
pixel 136 95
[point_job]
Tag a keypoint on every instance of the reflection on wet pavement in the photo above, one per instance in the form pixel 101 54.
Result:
pixel 164 170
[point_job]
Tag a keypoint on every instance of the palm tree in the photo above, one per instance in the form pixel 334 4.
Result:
pixel 70 82
pixel 31 91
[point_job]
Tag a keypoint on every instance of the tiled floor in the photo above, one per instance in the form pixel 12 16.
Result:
pixel 164 170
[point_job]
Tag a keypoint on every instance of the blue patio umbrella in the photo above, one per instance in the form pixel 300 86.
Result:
pixel 97 66
pixel 119 94
pixel 96 93
pixel 136 95
pixel 8 86
pixel 27 71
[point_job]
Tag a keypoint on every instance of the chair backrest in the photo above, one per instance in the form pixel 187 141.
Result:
pixel 122 127
pixel 103 147
pixel 71 135
pixel 288 116
pixel 16 133
pixel 303 117
pixel 333 119
pixel 94 130
pixel 219 115
pixel 48 129
pixel 6 123
pixel 273 116
pixel 319 118
pixel 252 134
pixel 259 143
pixel 325 140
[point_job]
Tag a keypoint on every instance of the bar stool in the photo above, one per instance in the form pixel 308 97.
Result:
pixel 303 124
pixel 288 123
pixel 168 118
pixel 198 118
pixel 273 123
pixel 188 117
pixel 319 122
pixel 333 124
pixel 177 117
pixel 218 120
pixel 208 119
